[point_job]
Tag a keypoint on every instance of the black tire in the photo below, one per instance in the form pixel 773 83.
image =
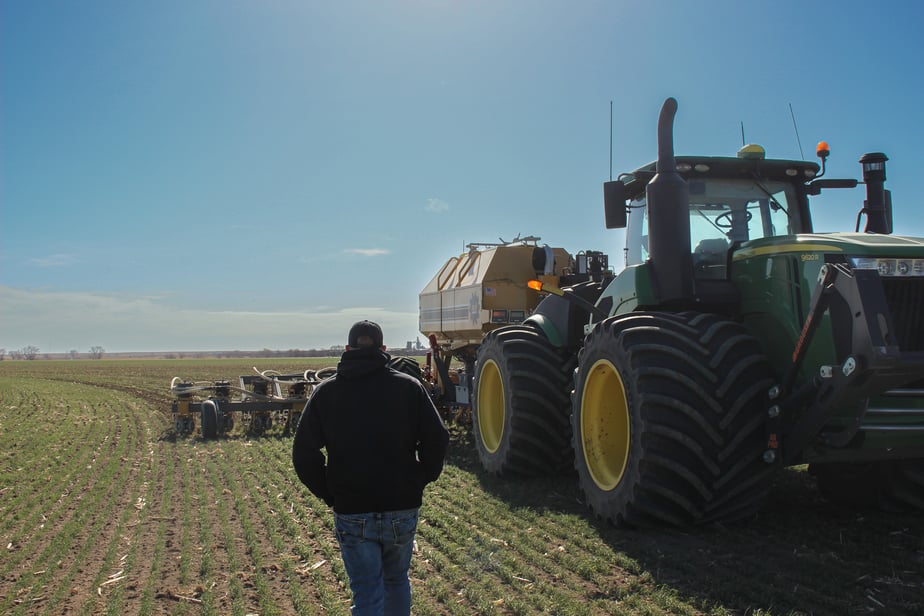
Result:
pixel 406 365
pixel 520 406
pixel 904 483
pixel 669 420
pixel 227 423
pixel 209 419
pixel 889 485
pixel 259 424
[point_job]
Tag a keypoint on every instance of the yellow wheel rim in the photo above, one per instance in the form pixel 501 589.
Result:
pixel 491 406
pixel 605 425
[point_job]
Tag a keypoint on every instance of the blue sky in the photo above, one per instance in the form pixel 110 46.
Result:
pixel 244 175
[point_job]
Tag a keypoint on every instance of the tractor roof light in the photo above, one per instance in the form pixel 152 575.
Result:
pixel 822 150
pixel 686 167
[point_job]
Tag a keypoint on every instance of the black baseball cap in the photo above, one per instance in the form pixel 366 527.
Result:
pixel 365 334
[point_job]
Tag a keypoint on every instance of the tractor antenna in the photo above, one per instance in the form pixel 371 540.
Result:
pixel 743 142
pixel 796 128
pixel 611 141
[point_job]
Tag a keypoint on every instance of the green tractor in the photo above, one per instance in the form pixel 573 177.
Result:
pixel 735 342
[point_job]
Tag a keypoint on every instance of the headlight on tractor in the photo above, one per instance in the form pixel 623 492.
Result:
pixel 890 267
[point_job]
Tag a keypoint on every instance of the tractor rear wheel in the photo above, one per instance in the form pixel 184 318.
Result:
pixel 669 420
pixel 520 405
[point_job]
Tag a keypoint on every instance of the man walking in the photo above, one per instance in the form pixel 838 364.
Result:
pixel 385 441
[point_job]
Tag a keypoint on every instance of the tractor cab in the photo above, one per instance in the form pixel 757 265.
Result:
pixel 710 207
pixel 731 201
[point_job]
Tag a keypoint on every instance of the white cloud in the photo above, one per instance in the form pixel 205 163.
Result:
pixel 55 260
pixel 60 321
pixel 367 252
pixel 436 205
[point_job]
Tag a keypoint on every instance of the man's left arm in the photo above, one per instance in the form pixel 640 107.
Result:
pixel 434 437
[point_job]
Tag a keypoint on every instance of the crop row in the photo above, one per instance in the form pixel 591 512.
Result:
pixel 104 510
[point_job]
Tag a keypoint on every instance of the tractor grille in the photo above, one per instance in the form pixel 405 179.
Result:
pixel 905 297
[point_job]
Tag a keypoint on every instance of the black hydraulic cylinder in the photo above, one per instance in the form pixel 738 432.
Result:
pixel 669 218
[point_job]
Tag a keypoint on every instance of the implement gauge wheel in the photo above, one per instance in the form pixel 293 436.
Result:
pixel 520 406
pixel 209 419
pixel 669 420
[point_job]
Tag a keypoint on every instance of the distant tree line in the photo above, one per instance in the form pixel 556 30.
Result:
pixel 97 352
pixel 31 352
pixel 275 353
pixel 27 352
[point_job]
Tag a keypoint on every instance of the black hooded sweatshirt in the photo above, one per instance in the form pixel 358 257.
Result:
pixel 385 440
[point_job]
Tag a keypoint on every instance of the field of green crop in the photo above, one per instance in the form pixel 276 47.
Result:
pixel 104 510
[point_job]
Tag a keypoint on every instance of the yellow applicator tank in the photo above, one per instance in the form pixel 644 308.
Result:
pixel 485 288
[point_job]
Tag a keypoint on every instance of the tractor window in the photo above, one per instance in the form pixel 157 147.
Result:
pixel 722 212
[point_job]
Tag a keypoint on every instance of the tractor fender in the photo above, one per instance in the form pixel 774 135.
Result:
pixel 563 321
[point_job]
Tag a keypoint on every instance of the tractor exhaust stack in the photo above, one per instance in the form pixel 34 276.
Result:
pixel 877 206
pixel 668 218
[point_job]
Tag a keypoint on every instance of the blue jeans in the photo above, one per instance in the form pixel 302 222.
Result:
pixel 376 550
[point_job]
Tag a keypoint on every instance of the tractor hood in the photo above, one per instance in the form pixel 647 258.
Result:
pixel 848 244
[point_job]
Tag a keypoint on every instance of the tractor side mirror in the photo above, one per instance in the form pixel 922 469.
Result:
pixel 614 204
pixel 815 187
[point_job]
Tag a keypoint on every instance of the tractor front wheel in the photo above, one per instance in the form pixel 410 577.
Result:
pixel 669 420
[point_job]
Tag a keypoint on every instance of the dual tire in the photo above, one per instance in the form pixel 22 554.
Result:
pixel 669 420
pixel 664 418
